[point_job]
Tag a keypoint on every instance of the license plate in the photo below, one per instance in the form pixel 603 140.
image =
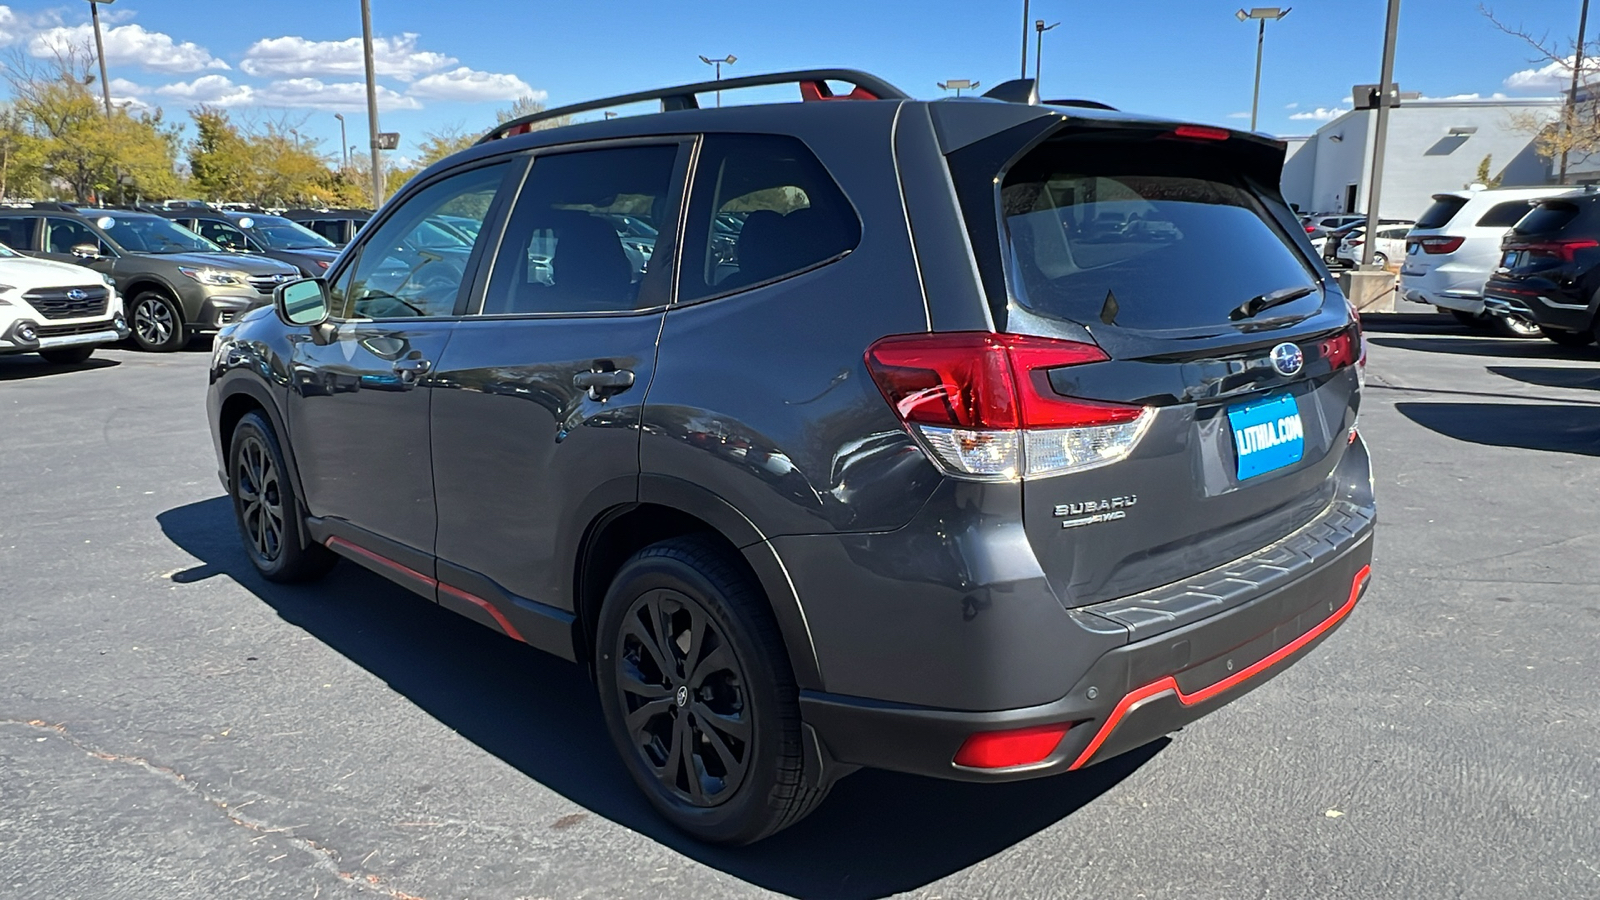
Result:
pixel 1267 435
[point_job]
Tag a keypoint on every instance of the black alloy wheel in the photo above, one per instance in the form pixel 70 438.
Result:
pixel 156 323
pixel 265 507
pixel 684 692
pixel 698 694
pixel 1514 327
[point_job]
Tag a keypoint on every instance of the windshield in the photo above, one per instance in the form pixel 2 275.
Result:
pixel 1141 238
pixel 281 234
pixel 149 234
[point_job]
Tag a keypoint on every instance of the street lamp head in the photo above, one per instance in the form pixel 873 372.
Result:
pixel 339 116
pixel 1262 12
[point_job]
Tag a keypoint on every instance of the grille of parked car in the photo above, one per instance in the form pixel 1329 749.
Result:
pixel 47 331
pixel 267 283
pixel 69 302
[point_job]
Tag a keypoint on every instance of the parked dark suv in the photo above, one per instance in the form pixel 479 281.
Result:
pixel 1549 270
pixel 260 234
pixel 174 283
pixel 339 226
pixel 966 459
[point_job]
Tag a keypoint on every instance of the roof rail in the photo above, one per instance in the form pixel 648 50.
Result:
pixel 55 205
pixel 812 84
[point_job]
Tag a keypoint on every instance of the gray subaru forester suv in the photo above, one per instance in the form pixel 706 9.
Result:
pixel 964 457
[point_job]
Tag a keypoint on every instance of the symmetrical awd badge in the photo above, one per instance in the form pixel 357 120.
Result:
pixel 1093 512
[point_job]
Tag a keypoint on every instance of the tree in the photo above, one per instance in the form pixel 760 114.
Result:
pixel 222 161
pixel 437 145
pixel 1485 167
pixel 1576 131
pixel 527 106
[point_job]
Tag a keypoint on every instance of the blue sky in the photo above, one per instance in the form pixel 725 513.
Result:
pixel 453 62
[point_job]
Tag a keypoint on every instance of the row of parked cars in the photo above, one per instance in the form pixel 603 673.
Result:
pixel 75 278
pixel 1518 260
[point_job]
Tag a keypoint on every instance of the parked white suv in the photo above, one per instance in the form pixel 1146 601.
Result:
pixel 57 310
pixel 1454 247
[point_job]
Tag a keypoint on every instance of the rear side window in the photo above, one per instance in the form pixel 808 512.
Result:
pixel 1139 237
pixel 16 232
pixel 764 207
pixel 1547 218
pixel 1504 215
pixel 1441 212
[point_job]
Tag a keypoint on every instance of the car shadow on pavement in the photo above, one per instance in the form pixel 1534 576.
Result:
pixel 1552 376
pixel 1473 345
pixel 27 365
pixel 878 833
pixel 1542 426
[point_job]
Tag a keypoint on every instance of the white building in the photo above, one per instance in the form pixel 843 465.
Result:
pixel 1433 146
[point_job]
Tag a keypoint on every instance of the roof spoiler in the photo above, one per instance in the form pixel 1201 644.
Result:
pixel 812 83
pixel 1017 90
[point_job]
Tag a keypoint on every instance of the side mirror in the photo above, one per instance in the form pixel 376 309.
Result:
pixel 86 251
pixel 303 302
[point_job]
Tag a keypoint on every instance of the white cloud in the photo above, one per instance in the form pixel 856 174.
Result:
pixel 128 88
pixel 1320 114
pixel 211 90
pixel 128 45
pixel 1292 106
pixel 1238 115
pixel 342 96
pixel 1554 77
pixel 397 57
pixel 10 27
pixel 466 85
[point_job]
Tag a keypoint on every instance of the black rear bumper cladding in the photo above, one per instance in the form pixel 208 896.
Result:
pixel 1132 695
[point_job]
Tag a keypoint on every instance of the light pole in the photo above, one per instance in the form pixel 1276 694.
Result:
pixel 1024 72
pixel 957 84
pixel 372 103
pixel 100 51
pixel 1572 97
pixel 1261 14
pixel 343 141
pixel 1038 51
pixel 1380 132
pixel 730 59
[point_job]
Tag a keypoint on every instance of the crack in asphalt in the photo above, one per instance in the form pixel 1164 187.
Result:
pixel 325 857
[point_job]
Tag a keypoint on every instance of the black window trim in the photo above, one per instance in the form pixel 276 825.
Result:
pixel 682 175
pixel 492 220
pixel 692 194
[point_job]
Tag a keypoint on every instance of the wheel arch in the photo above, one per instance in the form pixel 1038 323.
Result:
pixel 667 508
pixel 142 283
pixel 239 397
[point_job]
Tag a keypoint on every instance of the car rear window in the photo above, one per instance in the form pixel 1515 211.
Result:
pixel 1504 215
pixel 1441 212
pixel 1547 217
pixel 1139 237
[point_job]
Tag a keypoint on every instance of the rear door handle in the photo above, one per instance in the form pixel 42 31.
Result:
pixel 412 366
pixel 603 384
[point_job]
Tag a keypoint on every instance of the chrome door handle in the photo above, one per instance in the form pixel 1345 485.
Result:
pixel 603 384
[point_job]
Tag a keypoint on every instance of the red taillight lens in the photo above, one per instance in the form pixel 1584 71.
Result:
pixel 1441 244
pixel 1310 228
pixel 1200 133
pixel 1562 250
pixel 984 405
pixel 1004 749
pixel 1342 349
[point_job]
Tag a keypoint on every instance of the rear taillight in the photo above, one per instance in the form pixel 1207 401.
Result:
pixel 1200 133
pixel 983 406
pixel 1562 250
pixel 1440 244
pixel 1310 228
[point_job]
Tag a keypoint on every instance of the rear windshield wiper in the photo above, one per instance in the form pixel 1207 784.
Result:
pixel 1256 304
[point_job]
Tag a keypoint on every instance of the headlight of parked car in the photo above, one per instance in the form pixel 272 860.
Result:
pixel 215 277
pixel 107 279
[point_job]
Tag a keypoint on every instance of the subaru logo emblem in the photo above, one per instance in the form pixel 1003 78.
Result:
pixel 76 295
pixel 1287 359
pixel 681 696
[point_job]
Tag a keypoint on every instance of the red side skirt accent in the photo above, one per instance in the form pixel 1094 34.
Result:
pixel 486 606
pixel 1169 684
pixel 499 617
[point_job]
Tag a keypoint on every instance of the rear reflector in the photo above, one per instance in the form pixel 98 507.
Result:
pixel 982 403
pixel 1441 244
pixel 1005 749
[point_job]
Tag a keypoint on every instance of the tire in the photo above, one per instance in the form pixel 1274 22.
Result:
pixel 1513 327
pixel 1476 321
pixel 67 356
pixel 156 323
pixel 266 509
pixel 1568 338
pixel 1380 259
pixel 733 681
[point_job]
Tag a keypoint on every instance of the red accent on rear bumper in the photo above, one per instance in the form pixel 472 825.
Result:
pixel 1169 684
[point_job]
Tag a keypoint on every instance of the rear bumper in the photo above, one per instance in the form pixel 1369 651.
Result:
pixel 1130 696
pixel 1550 312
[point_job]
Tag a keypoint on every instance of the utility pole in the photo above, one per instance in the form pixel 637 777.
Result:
pixel 100 51
pixel 372 103
pixel 1038 51
pixel 1024 73
pixel 1572 97
pixel 343 142
pixel 1380 133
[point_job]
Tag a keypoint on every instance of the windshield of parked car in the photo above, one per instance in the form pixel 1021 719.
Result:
pixel 278 233
pixel 150 234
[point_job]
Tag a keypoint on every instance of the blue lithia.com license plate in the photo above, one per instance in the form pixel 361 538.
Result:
pixel 1267 435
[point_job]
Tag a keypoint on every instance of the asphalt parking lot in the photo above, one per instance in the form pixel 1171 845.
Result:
pixel 173 726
